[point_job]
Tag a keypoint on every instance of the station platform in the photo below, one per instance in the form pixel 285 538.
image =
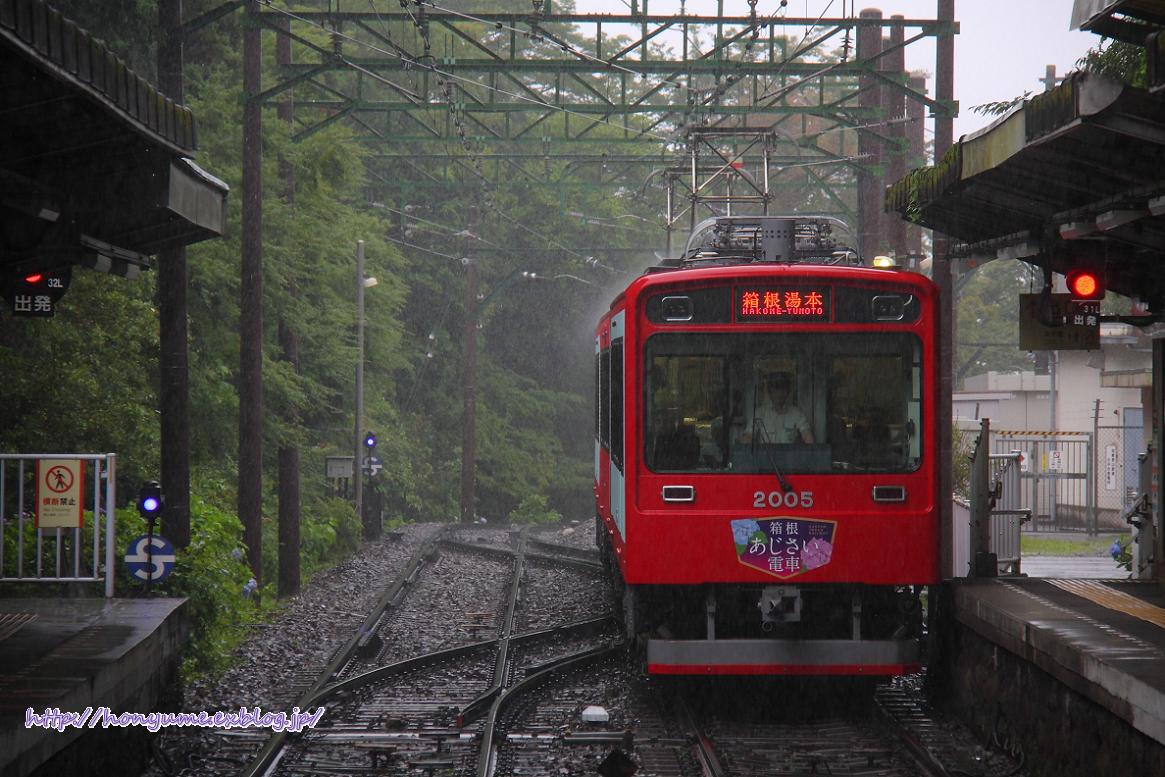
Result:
pixel 1074 667
pixel 69 654
pixel 1087 567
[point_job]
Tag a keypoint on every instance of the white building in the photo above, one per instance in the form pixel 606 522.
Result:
pixel 1083 447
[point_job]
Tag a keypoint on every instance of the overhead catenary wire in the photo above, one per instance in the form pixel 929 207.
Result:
pixel 408 406
pixel 443 74
pixel 453 231
pixel 566 47
pixel 415 62
pixel 489 204
pixel 411 61
pixel 477 162
pixel 398 241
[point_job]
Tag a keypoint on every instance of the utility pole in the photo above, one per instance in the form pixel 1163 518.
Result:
pixel 250 499
pixel 358 438
pixel 1053 389
pixel 289 512
pixel 174 355
pixel 1094 476
pixel 870 191
pixel 469 376
pixel 944 134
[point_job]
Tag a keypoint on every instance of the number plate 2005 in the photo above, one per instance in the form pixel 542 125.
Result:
pixel 787 499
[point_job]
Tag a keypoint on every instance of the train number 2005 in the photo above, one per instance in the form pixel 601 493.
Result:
pixel 787 499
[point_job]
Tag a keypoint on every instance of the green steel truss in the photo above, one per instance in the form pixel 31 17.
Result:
pixel 427 84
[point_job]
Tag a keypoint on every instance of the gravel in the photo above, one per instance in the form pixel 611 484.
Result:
pixel 279 660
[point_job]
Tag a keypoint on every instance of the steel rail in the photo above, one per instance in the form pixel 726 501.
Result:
pixel 583 554
pixel 269 755
pixel 273 749
pixel 474 709
pixel 487 755
pixel 510 553
pixel 919 753
pixel 703 748
pixel 406 665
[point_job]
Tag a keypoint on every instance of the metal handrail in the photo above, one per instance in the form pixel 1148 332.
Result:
pixel 106 506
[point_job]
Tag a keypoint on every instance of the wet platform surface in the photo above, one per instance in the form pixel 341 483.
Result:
pixel 77 653
pixel 1091 567
pixel 1103 638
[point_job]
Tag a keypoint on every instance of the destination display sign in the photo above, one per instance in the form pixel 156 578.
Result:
pixel 781 304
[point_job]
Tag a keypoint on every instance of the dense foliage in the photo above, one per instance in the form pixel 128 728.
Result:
pixel 87 379
pixel 987 329
pixel 553 240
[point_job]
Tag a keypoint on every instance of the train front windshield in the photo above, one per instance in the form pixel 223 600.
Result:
pixel 801 402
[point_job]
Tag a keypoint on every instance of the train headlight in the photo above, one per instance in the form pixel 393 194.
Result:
pixel 888 307
pixel 676 308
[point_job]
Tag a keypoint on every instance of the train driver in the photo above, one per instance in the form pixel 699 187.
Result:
pixel 777 419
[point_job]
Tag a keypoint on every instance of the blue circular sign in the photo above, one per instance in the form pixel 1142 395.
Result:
pixel 145 565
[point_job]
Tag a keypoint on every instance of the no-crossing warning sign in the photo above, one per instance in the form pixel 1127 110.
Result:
pixel 60 503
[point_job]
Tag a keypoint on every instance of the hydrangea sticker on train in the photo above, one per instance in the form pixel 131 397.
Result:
pixel 782 546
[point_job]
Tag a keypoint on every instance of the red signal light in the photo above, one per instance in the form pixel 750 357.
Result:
pixel 34 278
pixel 1085 284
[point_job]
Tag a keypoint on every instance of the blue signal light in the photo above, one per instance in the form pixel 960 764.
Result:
pixel 150 501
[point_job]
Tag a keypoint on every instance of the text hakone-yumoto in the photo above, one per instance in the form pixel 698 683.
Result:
pixel 769 303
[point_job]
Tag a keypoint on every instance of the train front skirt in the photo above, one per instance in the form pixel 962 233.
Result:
pixel 874 658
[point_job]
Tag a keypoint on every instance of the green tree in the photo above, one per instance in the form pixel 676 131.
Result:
pixel 1115 59
pixel 85 380
pixel 988 318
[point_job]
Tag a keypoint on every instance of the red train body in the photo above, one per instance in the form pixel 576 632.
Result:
pixel 740 549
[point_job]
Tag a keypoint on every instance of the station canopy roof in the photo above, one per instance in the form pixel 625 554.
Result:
pixel 1126 20
pixel 95 165
pixel 1072 177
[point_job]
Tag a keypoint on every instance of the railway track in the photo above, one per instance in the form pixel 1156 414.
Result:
pixel 435 711
pixel 724 727
pixel 491 644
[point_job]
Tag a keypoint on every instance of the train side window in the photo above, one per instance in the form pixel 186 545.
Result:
pixel 616 412
pixel 598 396
pixel 605 398
pixel 913 428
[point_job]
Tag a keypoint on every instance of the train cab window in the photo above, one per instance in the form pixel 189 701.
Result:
pixel 875 429
pixel 801 402
pixel 686 410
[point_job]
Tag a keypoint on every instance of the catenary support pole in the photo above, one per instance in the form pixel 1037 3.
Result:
pixel 469 378
pixel 358 437
pixel 250 499
pixel 173 357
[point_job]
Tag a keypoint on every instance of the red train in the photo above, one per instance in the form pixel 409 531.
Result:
pixel 765 454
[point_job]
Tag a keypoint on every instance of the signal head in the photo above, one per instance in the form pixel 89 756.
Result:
pixel 1085 283
pixel 150 501
pixel 370 440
